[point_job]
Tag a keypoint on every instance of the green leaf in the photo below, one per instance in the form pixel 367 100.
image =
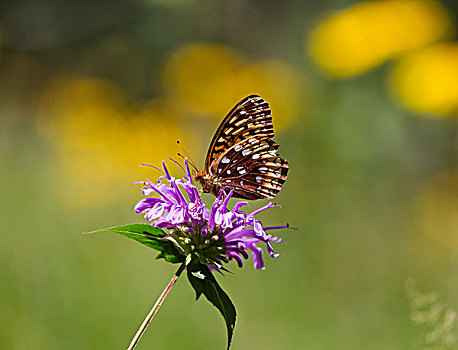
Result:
pixel 205 283
pixel 150 236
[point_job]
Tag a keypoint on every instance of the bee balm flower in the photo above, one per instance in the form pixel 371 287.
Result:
pixel 216 235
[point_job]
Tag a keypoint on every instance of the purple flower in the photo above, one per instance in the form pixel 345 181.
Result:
pixel 214 236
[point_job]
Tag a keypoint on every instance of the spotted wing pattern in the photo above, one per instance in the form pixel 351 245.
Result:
pixel 251 168
pixel 251 117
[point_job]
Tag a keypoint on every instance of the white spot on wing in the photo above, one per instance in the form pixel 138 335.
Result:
pixel 228 172
pixel 241 170
pixel 263 169
pixel 238 148
pixel 255 156
pixel 246 151
pixel 252 140
pixel 241 183
pixel 258 179
pixel 225 160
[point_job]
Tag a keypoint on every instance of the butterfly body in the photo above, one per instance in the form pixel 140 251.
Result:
pixel 243 156
pixel 209 185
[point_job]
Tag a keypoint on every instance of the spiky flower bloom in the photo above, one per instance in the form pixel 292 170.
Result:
pixel 214 235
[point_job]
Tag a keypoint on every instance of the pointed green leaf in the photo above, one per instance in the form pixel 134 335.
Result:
pixel 205 283
pixel 150 236
pixel 171 258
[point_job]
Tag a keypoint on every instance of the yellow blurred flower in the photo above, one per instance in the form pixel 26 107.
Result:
pixel 208 79
pixel 427 81
pixel 99 141
pixel 193 74
pixel 361 37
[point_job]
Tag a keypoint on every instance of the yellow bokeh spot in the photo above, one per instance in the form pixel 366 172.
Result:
pixel 193 75
pixel 100 142
pixel 361 37
pixel 208 79
pixel 427 81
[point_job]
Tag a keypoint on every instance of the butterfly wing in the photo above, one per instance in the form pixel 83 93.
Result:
pixel 252 168
pixel 250 117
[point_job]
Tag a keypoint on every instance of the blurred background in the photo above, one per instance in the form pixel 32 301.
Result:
pixel 365 104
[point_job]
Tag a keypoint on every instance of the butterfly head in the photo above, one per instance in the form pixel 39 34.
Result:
pixel 204 179
pixel 197 175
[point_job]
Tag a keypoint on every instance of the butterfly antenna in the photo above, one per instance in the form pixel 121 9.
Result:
pixel 185 158
pixel 187 155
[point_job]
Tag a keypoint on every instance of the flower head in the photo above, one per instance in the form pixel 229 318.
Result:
pixel 214 235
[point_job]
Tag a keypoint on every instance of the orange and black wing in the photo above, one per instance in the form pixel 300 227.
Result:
pixel 251 117
pixel 252 168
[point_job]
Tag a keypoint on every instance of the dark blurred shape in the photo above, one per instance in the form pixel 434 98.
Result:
pixel 42 24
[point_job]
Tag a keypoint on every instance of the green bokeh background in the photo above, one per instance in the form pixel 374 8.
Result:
pixel 358 163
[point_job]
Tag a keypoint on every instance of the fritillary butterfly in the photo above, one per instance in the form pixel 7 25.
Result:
pixel 243 155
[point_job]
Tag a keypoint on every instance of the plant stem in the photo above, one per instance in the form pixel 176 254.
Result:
pixel 156 307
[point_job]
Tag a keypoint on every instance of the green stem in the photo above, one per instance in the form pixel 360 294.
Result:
pixel 156 307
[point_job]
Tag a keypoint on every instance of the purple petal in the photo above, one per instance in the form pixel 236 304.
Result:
pixel 278 228
pixel 187 169
pixel 258 228
pixel 270 250
pixel 268 206
pixel 256 253
pixel 147 191
pixel 236 257
pixel 158 190
pixel 155 211
pixel 178 193
pixel 146 203
pixel 153 167
pixel 176 215
pixel 166 170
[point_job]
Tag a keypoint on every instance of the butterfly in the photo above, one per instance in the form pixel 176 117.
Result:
pixel 243 155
